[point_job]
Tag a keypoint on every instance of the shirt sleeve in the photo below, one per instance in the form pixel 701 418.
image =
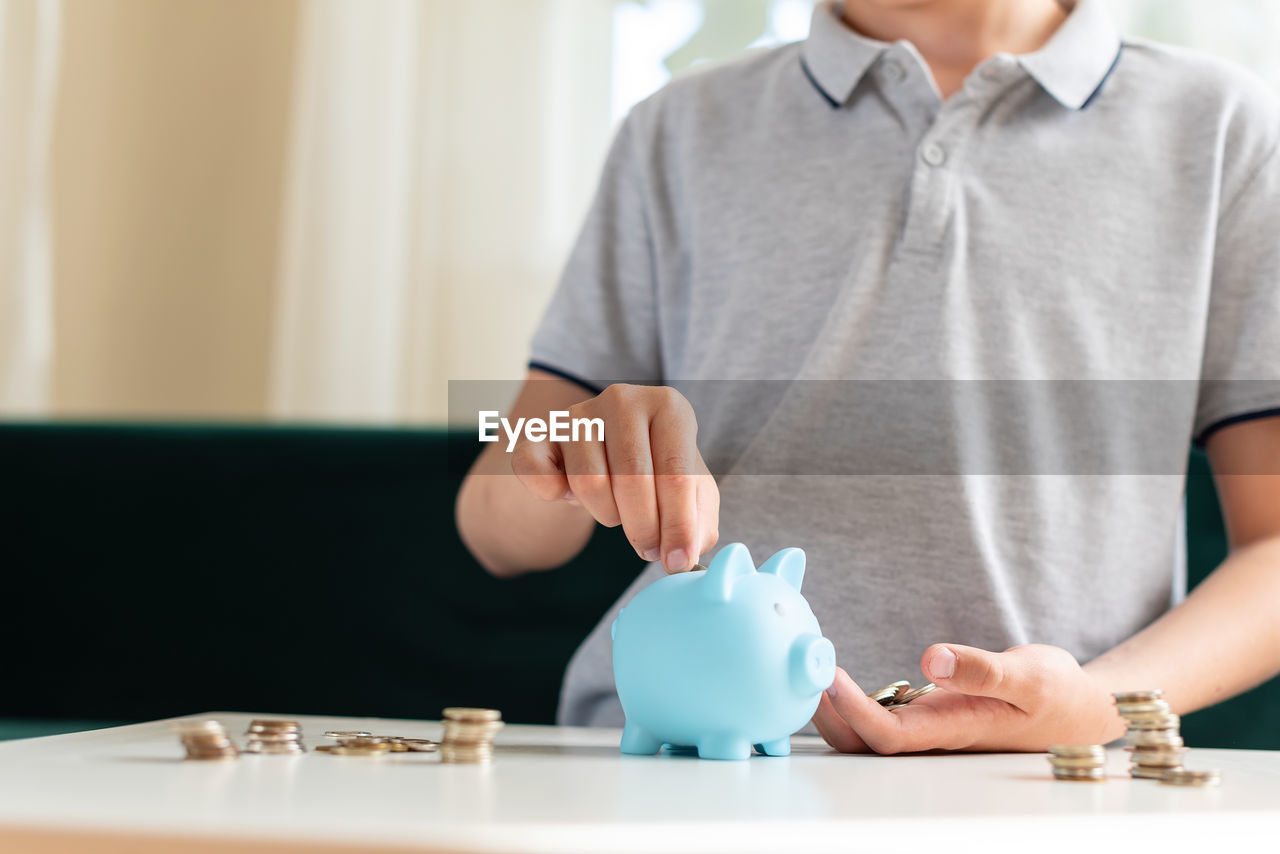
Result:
pixel 1240 372
pixel 601 324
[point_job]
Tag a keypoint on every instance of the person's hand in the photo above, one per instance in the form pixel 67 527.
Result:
pixel 647 475
pixel 1023 699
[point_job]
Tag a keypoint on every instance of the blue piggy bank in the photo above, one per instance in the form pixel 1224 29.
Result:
pixel 721 660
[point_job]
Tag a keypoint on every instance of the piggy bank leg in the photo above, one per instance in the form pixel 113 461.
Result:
pixel 777 747
pixel 639 741
pixel 724 747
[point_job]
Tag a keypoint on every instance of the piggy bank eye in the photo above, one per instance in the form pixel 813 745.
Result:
pixel 781 611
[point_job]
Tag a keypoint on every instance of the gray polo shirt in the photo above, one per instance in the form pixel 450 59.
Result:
pixel 955 351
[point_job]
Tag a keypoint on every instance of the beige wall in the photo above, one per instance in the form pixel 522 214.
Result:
pixel 168 160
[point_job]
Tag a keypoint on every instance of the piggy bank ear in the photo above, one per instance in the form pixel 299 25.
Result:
pixel 788 565
pixel 731 562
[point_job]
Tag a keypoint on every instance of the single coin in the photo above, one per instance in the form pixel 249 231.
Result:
pixel 915 693
pixel 1155 722
pixel 421 745
pixel 890 691
pixel 1080 774
pixel 273 725
pixel 379 748
pixel 455 731
pixel 1077 762
pixel 1154 707
pixel 1138 696
pixel 197 726
pixel 1164 760
pixel 225 755
pixel 1077 750
pixel 1154 738
pixel 346 733
pixel 274 749
pixel 1146 773
pixel 462 713
pixel 1190 777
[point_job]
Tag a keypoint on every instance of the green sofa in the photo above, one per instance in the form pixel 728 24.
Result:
pixel 160 570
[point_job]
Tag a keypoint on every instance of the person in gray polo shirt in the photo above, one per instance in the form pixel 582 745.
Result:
pixel 941 295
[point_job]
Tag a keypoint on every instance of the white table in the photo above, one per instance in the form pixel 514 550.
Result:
pixel 569 790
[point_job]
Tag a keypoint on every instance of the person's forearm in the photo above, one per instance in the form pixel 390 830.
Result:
pixel 1224 639
pixel 508 529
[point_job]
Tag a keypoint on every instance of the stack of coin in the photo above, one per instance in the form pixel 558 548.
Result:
pixel 1154 737
pixel 206 740
pixel 280 737
pixel 468 734
pixel 1079 762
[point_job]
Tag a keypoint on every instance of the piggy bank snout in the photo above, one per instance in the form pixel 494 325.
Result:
pixel 813 664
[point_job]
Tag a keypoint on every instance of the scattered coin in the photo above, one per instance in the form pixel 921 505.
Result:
pixel 366 744
pixel 360 747
pixel 419 745
pixel 1145 773
pixel 1187 777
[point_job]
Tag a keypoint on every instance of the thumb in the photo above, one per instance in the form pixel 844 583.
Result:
pixel 540 467
pixel 968 670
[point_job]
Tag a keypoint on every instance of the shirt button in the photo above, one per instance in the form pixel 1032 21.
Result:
pixel 934 154
pixel 990 72
pixel 893 71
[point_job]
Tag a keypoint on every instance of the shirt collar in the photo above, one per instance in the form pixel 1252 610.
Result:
pixel 835 57
pixel 1072 66
pixel 1079 58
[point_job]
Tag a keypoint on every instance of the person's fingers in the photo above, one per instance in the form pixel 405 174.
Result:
pixel 835 731
pixel 931 723
pixel 880 729
pixel 539 466
pixel 672 435
pixel 631 473
pixel 587 471
pixel 978 672
pixel 708 494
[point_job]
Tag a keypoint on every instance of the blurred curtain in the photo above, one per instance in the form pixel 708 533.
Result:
pixel 443 153
pixel 28 71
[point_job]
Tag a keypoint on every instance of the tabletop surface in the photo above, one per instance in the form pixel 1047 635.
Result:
pixel 565 789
